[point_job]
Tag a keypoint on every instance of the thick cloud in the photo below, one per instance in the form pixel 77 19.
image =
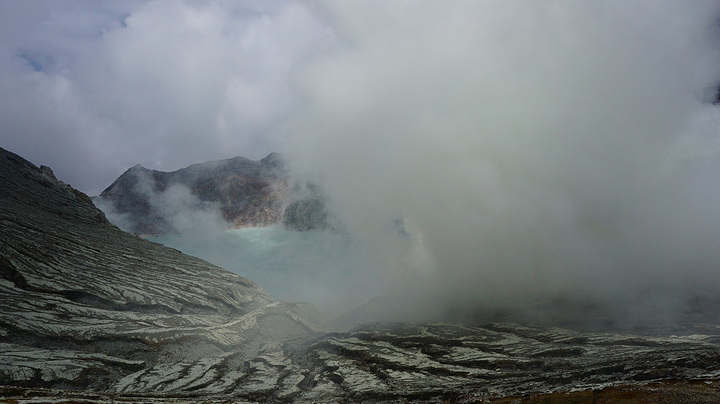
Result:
pixel 536 148
pixel 92 89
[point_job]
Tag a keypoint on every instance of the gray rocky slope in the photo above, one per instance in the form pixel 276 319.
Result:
pixel 85 306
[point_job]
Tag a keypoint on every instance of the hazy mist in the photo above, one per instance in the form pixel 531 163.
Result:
pixel 536 150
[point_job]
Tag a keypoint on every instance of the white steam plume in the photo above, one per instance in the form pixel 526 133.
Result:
pixel 535 149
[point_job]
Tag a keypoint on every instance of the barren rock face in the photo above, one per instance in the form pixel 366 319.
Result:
pixel 452 361
pixel 246 192
pixel 85 306
pixel 306 214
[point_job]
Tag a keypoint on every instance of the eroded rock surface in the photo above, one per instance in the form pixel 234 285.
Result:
pixel 450 361
pixel 85 306
pixel 420 363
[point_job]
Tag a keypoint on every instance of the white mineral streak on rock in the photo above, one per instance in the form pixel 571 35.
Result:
pixel 168 378
pixel 20 363
pixel 290 384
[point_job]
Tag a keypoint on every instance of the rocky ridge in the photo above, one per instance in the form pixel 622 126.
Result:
pixel 87 307
pixel 246 192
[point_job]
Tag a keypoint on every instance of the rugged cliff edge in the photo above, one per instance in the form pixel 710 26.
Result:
pixel 95 314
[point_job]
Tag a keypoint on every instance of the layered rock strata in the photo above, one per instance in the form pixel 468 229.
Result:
pixel 87 307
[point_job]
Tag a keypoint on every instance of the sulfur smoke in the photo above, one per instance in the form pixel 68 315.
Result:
pixel 506 153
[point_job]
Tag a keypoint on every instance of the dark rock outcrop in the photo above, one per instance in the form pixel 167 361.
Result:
pixel 246 193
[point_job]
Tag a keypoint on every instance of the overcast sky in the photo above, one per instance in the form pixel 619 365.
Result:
pixel 92 88
pixel 546 146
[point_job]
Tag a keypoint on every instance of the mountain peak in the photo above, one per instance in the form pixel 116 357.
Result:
pixel 36 187
pixel 247 193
